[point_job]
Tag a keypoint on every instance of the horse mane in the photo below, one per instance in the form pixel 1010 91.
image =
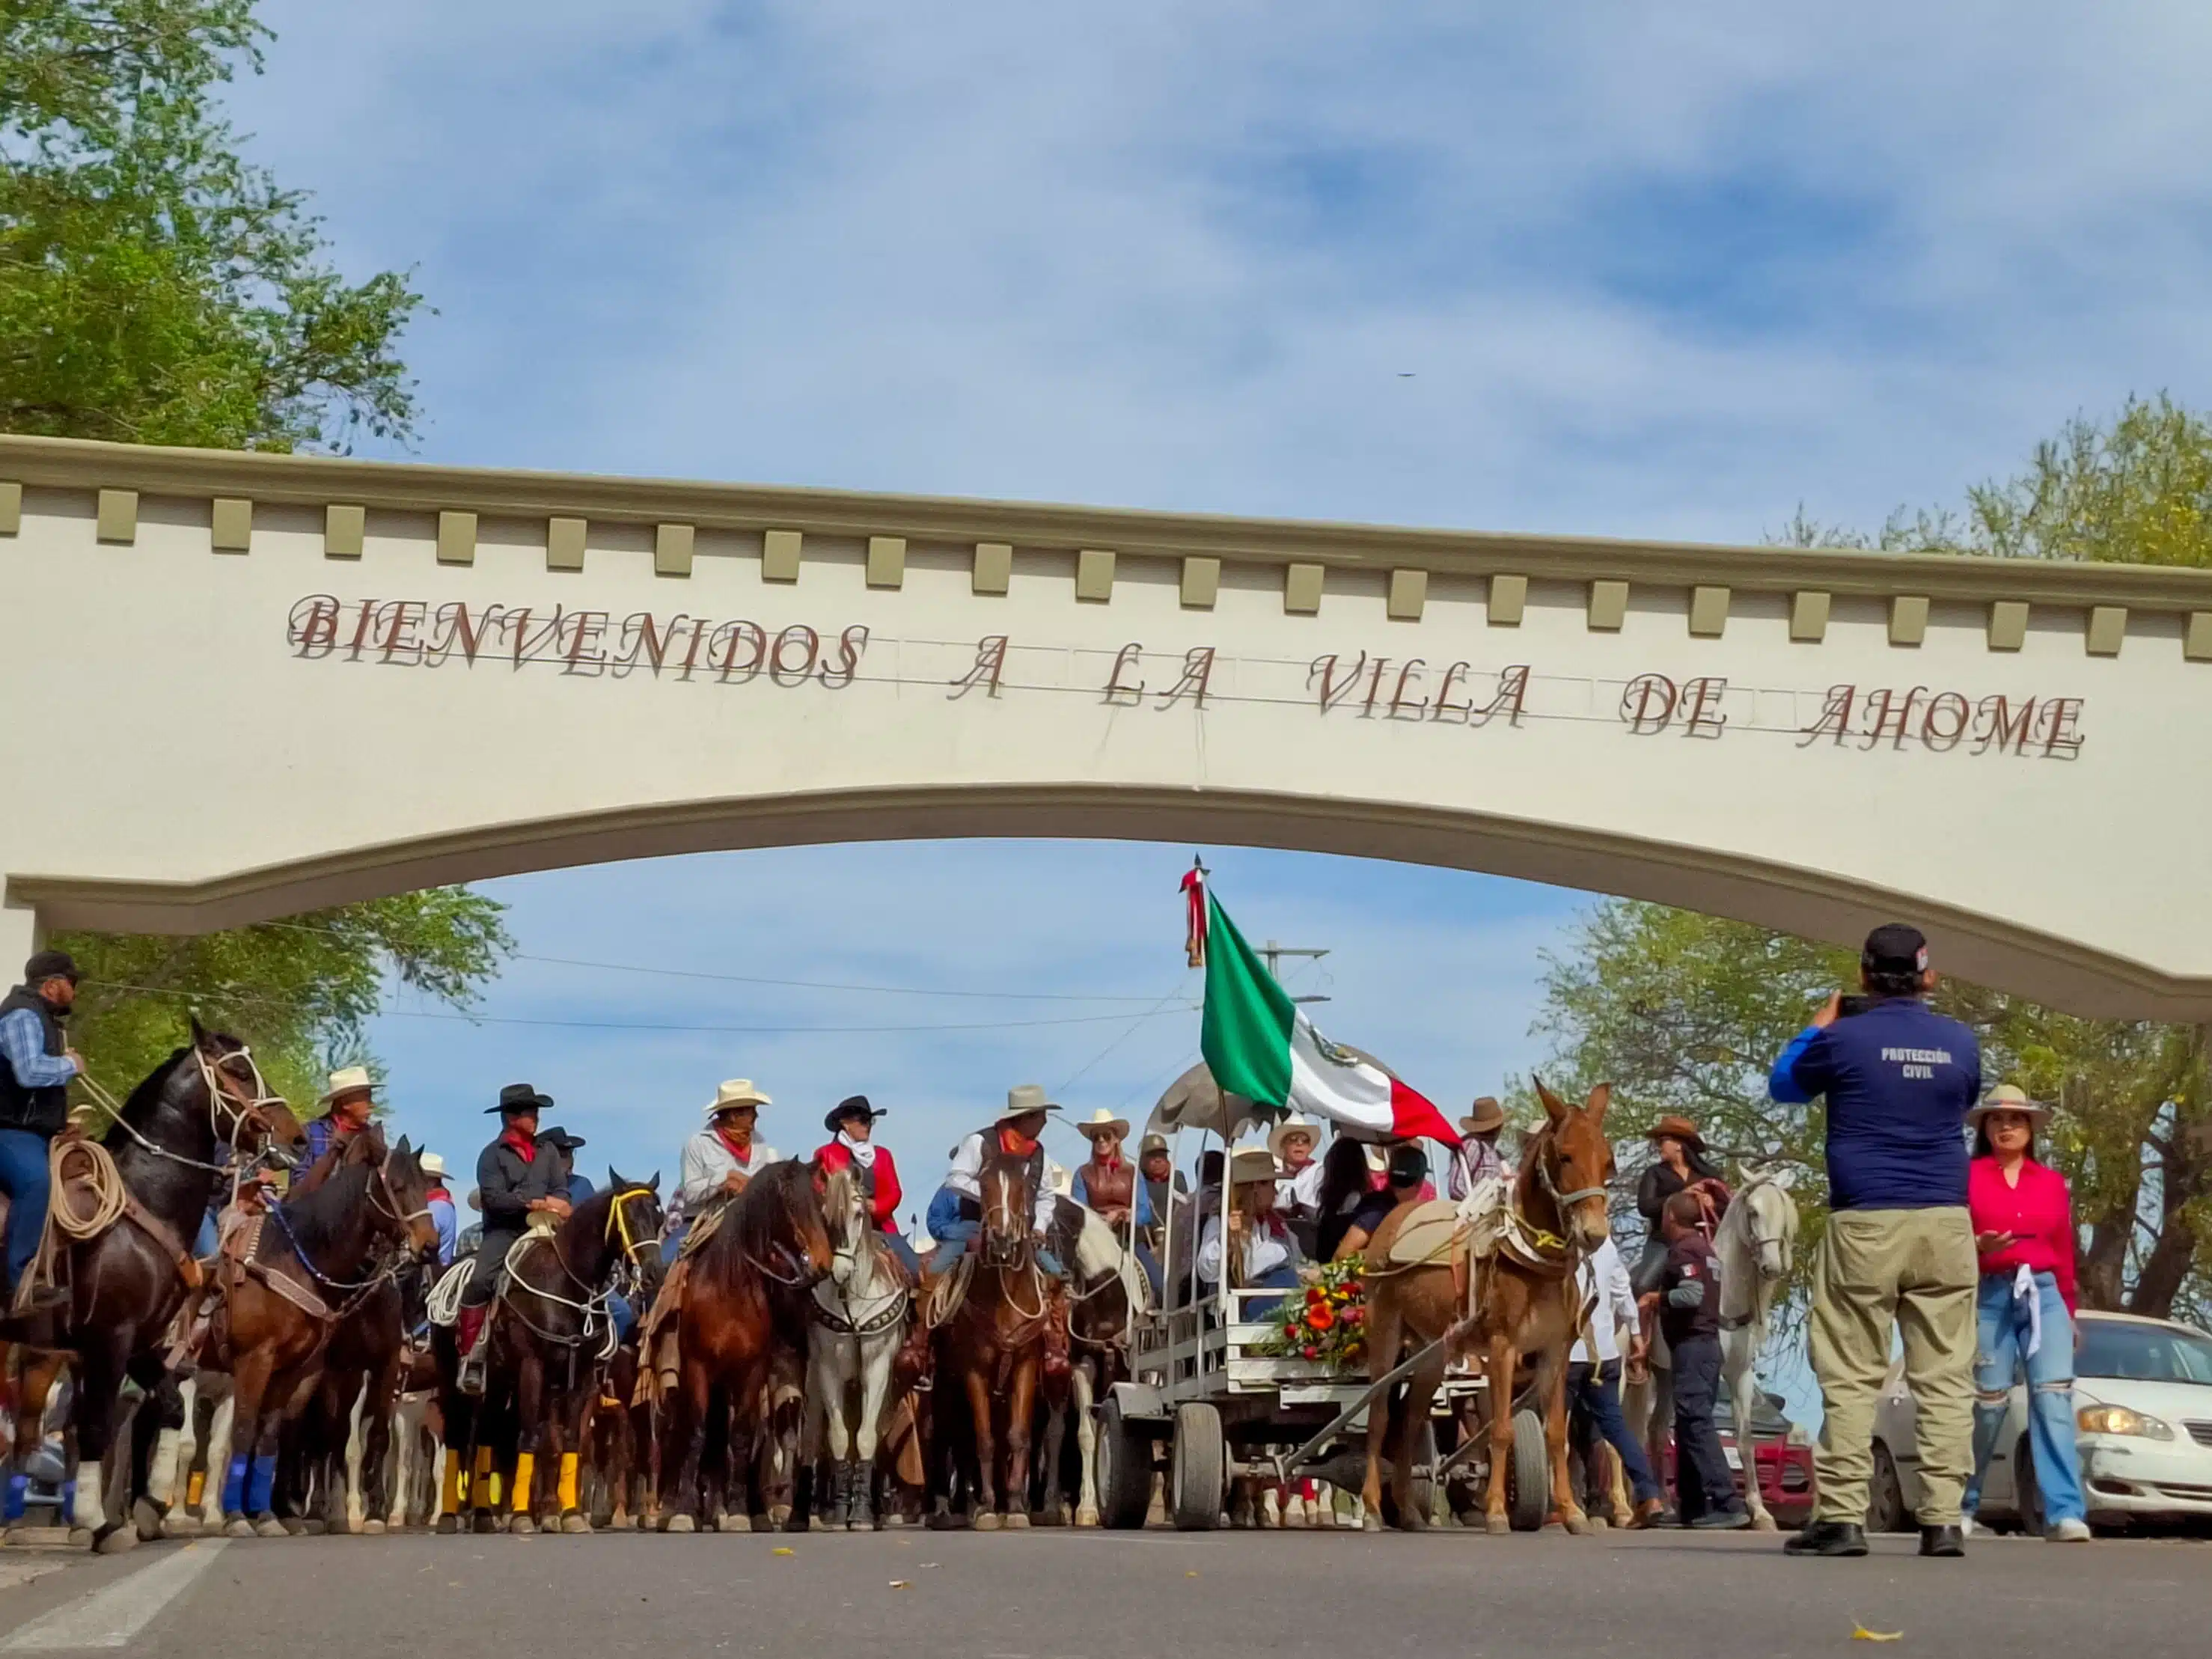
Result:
pixel 154 1087
pixel 316 1218
pixel 757 1214
pixel 1070 1221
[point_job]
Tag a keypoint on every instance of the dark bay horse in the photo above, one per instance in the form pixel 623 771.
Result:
pixel 126 1285
pixel 320 1255
pixel 992 1348
pixel 1527 1310
pixel 549 1331
pixel 364 1361
pixel 744 1318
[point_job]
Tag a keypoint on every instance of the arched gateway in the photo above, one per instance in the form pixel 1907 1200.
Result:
pixel 240 685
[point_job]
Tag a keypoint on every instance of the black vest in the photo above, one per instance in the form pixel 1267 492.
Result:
pixel 42 1111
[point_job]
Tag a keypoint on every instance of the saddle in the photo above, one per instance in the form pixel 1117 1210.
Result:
pixel 84 1182
pixel 945 1296
pixel 1430 1235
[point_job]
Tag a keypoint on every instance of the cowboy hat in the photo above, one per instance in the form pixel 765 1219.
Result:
pixel 851 1106
pixel 432 1164
pixel 1292 1125
pixel 1103 1122
pixel 1675 1127
pixel 1152 1144
pixel 734 1095
pixel 1252 1163
pixel 563 1138
pixel 348 1080
pixel 2007 1098
pixel 519 1097
pixel 1486 1115
pixel 1026 1098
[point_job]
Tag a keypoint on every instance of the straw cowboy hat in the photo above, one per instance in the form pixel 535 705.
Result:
pixel 1023 1099
pixel 734 1095
pixel 1152 1144
pixel 1250 1165
pixel 1295 1124
pixel 1675 1127
pixel 1103 1122
pixel 350 1080
pixel 2005 1098
pixel 1486 1115
pixel 433 1165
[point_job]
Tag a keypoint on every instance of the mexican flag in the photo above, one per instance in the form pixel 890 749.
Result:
pixel 1258 1045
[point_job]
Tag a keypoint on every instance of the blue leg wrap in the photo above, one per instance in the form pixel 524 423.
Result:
pixel 19 1487
pixel 234 1485
pixel 262 1485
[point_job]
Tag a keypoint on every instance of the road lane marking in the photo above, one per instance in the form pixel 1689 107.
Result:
pixel 110 1617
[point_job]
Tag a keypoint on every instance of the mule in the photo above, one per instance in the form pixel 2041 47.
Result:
pixel 1755 1242
pixel 1528 1308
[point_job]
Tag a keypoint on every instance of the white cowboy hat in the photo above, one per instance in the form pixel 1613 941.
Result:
pixel 1250 1165
pixel 1295 1124
pixel 350 1080
pixel 1026 1098
pixel 1102 1121
pixel 2005 1098
pixel 738 1092
pixel 1377 1160
pixel 432 1164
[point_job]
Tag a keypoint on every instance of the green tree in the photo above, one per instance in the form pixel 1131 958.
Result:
pixel 1685 1012
pixel 156 288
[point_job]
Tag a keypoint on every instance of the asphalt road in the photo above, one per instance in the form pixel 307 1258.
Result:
pixel 1093 1595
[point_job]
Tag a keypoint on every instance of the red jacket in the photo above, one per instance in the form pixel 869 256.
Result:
pixel 2039 1209
pixel 884 1194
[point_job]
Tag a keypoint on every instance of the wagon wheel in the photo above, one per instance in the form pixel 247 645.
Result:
pixel 1529 1479
pixel 1198 1477
pixel 1125 1468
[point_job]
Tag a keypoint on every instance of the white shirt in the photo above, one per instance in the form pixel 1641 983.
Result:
pixel 1605 1275
pixel 1303 1187
pixel 708 1161
pixel 1263 1252
pixel 965 1178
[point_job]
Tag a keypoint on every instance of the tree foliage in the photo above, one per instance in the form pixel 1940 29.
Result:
pixel 1685 1012
pixel 154 286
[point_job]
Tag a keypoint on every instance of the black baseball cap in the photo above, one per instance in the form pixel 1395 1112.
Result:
pixel 1409 1163
pixel 1895 947
pixel 50 964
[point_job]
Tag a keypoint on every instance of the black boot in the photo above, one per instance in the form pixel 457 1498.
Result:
pixel 860 1505
pixel 1828 1538
pixel 1943 1541
pixel 840 1496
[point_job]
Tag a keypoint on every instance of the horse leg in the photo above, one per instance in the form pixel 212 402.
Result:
pixel 1052 1453
pixel 1739 1368
pixel 35 1384
pixel 1081 1386
pixel 214 1461
pixel 99 1391
pixel 156 1418
pixel 684 1436
pixel 987 1451
pixel 1420 1394
pixel 1385 1332
pixel 1497 1385
pixel 876 1362
pixel 1021 1422
pixel 826 1433
pixel 1552 1384
pixel 573 1425
pixel 379 1500
pixel 529 1435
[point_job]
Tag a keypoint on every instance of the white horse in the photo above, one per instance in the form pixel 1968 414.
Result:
pixel 1109 1286
pixel 1754 1243
pixel 410 1464
pixel 860 1319
pixel 168 1478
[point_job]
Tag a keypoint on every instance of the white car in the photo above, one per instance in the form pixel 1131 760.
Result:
pixel 2142 1406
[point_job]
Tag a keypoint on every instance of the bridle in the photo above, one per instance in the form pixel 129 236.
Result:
pixel 391 1209
pixel 244 1115
pixel 1564 1201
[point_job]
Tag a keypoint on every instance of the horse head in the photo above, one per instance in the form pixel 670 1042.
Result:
pixel 1008 1204
pixel 1572 1161
pixel 634 1218
pixel 1770 1218
pixel 245 1115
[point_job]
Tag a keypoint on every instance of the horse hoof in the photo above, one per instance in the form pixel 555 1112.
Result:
pixel 523 1526
pixel 80 1538
pixel 374 1530
pixel 448 1525
pixel 779 1518
pixel 1370 1521
pixel 484 1522
pixel 818 1523
pixel 1086 1516
pixel 1496 1525
pixel 297 1527
pixel 679 1523
pixel 1763 1522
pixel 1051 1517
pixel 181 1526
pixel 1577 1524
pixel 238 1527
pixel 574 1525
pixel 270 1526
pixel 1018 1522
pixel 113 1541
pixel 987 1522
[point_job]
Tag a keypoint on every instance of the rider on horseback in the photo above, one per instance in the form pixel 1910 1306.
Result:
pixel 516 1178
pixel 852 1124
pixel 955 1214
pixel 35 1067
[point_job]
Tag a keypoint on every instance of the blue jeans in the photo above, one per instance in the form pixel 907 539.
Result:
pixel 673 1243
pixel 955 1235
pixel 1593 1398
pixel 896 1243
pixel 2000 1355
pixel 24 1178
pixel 1284 1277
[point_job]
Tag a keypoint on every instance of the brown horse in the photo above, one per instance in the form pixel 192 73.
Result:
pixel 745 1313
pixel 993 1344
pixel 126 1283
pixel 312 1266
pixel 1527 1310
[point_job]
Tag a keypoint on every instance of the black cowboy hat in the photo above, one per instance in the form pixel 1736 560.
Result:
pixel 519 1097
pixel 561 1138
pixel 852 1106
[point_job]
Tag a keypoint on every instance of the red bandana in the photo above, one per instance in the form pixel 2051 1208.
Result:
pixel 525 1147
pixel 1015 1144
pixel 743 1152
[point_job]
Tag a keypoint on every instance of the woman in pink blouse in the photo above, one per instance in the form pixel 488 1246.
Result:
pixel 2024 1232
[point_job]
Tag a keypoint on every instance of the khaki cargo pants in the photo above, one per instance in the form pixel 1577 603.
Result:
pixel 1880 1270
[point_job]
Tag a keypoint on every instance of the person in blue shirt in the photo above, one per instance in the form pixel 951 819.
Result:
pixel 36 1065
pixel 1898 1255
pixel 440 1205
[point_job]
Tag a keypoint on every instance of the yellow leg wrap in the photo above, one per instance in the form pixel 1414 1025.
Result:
pixel 491 1490
pixel 194 1488
pixel 525 1462
pixel 449 1498
pixel 568 1504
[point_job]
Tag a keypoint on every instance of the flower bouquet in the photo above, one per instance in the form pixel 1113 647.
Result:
pixel 1326 1321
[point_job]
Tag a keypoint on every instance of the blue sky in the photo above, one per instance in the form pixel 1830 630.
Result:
pixel 1654 270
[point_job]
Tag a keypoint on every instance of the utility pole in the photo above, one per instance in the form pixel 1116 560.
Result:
pixel 1275 953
